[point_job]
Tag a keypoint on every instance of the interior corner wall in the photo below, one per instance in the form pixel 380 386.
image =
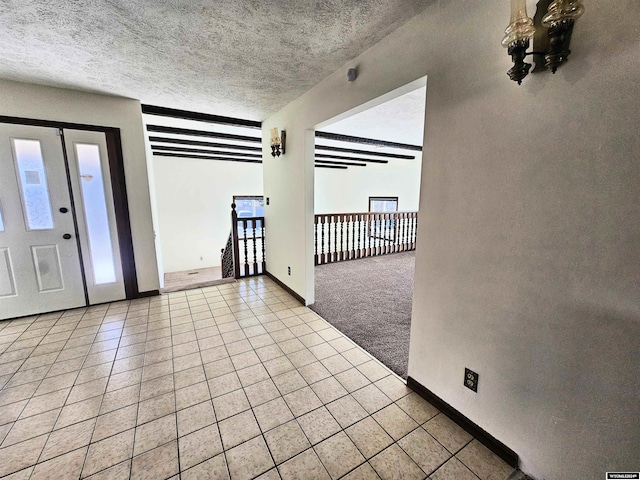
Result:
pixel 61 105
pixel 344 191
pixel 194 199
pixel 528 255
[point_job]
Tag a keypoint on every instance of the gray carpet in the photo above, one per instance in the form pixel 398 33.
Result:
pixel 369 300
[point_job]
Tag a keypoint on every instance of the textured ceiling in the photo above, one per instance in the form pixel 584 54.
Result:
pixel 243 58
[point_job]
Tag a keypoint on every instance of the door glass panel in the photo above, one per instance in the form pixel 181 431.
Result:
pixel 95 208
pixel 33 184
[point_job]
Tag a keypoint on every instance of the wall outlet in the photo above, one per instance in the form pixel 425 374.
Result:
pixel 289 270
pixel 201 258
pixel 267 200
pixel 471 380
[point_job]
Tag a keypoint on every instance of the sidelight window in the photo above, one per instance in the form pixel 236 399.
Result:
pixel 96 217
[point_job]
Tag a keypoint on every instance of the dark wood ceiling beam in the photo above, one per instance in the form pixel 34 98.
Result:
pixel 199 117
pixel 349 164
pixel 367 141
pixel 328 148
pixel 356 159
pixel 202 133
pixel 199 143
pixel 204 157
pixel 160 148
pixel 331 166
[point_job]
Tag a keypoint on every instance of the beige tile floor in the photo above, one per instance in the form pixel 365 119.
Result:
pixel 236 381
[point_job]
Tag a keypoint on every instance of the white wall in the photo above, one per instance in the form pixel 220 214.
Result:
pixel 528 260
pixel 153 194
pixel 194 206
pixel 342 191
pixel 56 104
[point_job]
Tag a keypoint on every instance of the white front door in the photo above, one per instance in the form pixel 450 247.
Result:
pixel 39 259
pixel 95 214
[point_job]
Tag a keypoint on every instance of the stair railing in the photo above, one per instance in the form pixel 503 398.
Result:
pixel 245 253
pixel 228 268
pixel 349 236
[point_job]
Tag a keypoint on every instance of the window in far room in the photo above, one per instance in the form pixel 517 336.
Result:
pixel 383 204
pixel 249 206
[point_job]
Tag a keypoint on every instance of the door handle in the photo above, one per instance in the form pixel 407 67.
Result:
pixel 66 236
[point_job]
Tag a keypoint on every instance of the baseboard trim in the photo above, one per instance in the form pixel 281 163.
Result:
pixel 150 293
pixel 289 291
pixel 489 441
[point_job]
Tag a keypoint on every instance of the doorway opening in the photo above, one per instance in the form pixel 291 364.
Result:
pixel 367 183
pixel 201 165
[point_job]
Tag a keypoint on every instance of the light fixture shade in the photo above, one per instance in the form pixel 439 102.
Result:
pixel 560 10
pixel 278 142
pixel 275 139
pixel 521 26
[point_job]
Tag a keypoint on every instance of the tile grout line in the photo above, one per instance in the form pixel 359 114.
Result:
pixel 215 416
pixel 105 389
pixel 175 405
pixel 135 426
pixel 275 465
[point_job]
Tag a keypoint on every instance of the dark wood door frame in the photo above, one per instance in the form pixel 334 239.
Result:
pixel 118 185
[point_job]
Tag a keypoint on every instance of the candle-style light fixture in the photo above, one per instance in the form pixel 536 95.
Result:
pixel 278 143
pixel 559 19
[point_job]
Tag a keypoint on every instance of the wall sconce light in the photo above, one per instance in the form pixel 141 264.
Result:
pixel 278 143
pixel 559 19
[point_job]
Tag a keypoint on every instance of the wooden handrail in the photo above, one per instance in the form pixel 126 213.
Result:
pixel 363 213
pixel 234 233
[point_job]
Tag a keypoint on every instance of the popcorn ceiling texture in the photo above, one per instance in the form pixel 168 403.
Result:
pixel 245 58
